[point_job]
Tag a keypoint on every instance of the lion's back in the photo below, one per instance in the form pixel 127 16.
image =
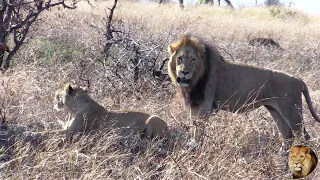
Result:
pixel 139 122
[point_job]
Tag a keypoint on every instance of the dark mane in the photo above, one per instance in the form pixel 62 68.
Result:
pixel 197 92
pixel 196 95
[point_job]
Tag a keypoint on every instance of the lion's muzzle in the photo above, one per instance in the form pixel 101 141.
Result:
pixel 183 78
pixel 183 82
pixel 297 166
pixel 57 107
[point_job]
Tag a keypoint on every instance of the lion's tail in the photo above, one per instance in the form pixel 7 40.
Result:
pixel 308 100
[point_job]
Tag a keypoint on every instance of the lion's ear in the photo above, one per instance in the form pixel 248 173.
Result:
pixel 171 50
pixel 201 55
pixel 308 150
pixel 68 88
pixel 85 88
pixel 291 150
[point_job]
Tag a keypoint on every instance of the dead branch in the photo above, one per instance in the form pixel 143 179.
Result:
pixel 109 29
pixel 16 18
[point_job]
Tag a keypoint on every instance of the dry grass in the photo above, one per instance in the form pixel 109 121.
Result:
pixel 67 46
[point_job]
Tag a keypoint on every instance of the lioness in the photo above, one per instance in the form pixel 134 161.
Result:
pixel 85 115
pixel 302 161
pixel 206 82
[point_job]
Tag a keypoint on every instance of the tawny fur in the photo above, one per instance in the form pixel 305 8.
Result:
pixel 206 82
pixel 302 161
pixel 86 115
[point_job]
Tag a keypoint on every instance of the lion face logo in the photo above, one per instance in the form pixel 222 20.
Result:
pixel 298 157
pixel 302 161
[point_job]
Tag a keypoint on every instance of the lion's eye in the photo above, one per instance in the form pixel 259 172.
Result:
pixel 179 58
pixel 301 156
pixel 193 60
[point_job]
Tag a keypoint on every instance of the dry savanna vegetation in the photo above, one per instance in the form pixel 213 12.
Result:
pixel 70 46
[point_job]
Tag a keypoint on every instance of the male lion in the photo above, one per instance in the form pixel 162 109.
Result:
pixel 85 115
pixel 302 161
pixel 206 82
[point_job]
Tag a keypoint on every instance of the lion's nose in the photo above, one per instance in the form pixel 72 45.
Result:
pixel 184 73
pixel 296 163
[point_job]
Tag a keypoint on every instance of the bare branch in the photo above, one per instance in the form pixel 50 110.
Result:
pixel 109 30
pixel 35 14
pixel 16 18
pixel 109 22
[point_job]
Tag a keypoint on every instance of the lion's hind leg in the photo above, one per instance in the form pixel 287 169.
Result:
pixel 282 125
pixel 156 128
pixel 292 113
pixel 197 131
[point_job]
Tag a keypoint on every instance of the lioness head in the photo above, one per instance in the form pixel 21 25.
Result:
pixel 300 161
pixel 65 98
pixel 186 65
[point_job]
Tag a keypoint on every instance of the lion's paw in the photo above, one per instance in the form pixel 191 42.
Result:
pixel 192 144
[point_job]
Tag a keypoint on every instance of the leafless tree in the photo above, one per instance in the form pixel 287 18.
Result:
pixel 109 29
pixel 209 2
pixel 16 18
pixel 291 3
pixel 272 2
pixel 229 3
pixel 128 53
pixel 219 2
pixel 181 3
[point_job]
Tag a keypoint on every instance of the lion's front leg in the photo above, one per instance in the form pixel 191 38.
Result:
pixel 208 104
pixel 197 130
pixel 202 110
pixel 68 123
pixel 205 109
pixel 200 115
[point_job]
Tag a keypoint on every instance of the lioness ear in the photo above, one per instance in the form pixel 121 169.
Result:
pixel 68 88
pixel 171 50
